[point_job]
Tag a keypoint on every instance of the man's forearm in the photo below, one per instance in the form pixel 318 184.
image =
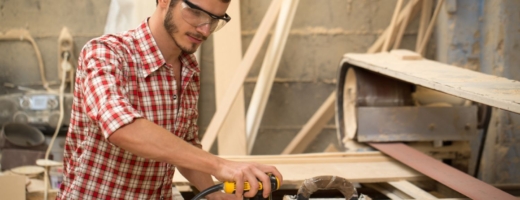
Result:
pixel 198 179
pixel 148 140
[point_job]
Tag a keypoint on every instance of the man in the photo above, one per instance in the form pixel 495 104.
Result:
pixel 135 111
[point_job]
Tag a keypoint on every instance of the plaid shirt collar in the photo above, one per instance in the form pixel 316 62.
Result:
pixel 153 58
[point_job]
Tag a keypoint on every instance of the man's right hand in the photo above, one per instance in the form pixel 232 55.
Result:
pixel 241 172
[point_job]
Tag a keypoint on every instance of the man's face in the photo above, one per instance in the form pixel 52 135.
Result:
pixel 186 36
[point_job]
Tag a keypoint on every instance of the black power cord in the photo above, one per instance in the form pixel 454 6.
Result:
pixel 210 190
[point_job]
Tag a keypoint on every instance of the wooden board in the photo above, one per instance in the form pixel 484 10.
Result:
pixel 364 168
pixel 412 190
pixel 475 86
pixel 228 54
pixel 445 174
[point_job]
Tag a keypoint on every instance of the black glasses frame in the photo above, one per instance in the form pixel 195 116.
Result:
pixel 226 17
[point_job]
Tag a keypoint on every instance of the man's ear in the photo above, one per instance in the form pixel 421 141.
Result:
pixel 163 3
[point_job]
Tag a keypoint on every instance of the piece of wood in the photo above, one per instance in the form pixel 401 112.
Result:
pixel 268 71
pixel 404 54
pixel 312 158
pixel 429 30
pixel 445 174
pixel 403 26
pixel 378 44
pixel 312 128
pixel 364 172
pixel 392 25
pixel 331 148
pixel 475 86
pixel 227 54
pixel 384 191
pixel 426 10
pixel 240 75
pixel 412 190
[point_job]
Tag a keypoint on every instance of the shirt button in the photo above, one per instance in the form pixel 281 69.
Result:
pixel 174 97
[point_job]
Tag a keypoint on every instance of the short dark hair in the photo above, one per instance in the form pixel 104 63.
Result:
pixel 174 1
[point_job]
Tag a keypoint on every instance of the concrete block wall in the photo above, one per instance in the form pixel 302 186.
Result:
pixel 321 33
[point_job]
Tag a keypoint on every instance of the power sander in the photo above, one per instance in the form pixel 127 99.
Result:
pixel 230 187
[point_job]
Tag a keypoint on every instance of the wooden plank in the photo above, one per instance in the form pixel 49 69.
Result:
pixel 412 190
pixel 312 128
pixel 475 86
pixel 426 11
pixel 392 25
pixel 403 26
pixel 384 191
pixel 227 54
pixel 240 75
pixel 378 44
pixel 268 71
pixel 445 174
pixel 429 30
pixel 364 172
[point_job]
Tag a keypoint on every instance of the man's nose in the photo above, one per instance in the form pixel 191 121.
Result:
pixel 204 29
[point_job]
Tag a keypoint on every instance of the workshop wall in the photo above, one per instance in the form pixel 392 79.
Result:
pixel 321 33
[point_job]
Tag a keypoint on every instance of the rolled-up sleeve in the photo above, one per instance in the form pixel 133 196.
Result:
pixel 105 99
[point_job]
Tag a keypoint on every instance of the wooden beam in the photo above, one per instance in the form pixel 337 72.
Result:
pixel 312 128
pixel 378 44
pixel 403 26
pixel 412 190
pixel 240 75
pixel 393 25
pixel 445 174
pixel 354 169
pixel 475 86
pixel 227 54
pixel 388 193
pixel 268 71
pixel 429 30
pixel 426 11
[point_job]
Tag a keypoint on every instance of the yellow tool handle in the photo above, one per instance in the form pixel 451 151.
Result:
pixel 229 187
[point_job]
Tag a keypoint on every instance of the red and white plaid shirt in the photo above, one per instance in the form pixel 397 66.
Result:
pixel 121 78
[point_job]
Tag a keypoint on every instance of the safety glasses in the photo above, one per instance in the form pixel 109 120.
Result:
pixel 196 16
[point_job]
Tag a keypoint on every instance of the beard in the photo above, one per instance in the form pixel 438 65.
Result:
pixel 171 28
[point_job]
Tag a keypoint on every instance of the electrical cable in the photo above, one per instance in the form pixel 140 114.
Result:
pixel 210 190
